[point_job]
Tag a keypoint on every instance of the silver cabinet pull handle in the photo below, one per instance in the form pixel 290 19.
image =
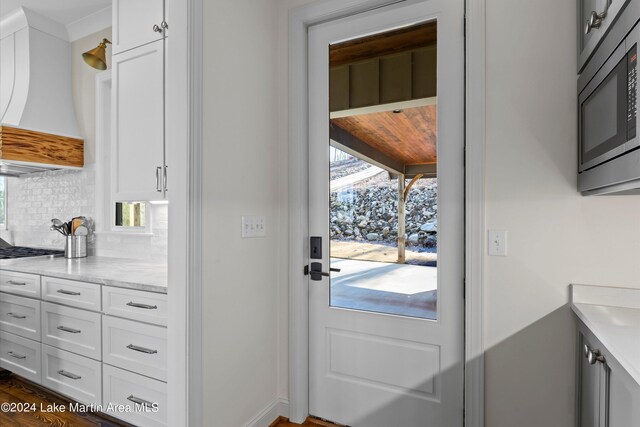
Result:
pixel 141 349
pixel 139 401
pixel 13 282
pixel 145 306
pixel 164 178
pixel 595 18
pixel 17 316
pixel 17 356
pixel 164 25
pixel 158 189
pixel 71 330
pixel 69 375
pixel 157 28
pixel 594 356
pixel 595 21
pixel 62 291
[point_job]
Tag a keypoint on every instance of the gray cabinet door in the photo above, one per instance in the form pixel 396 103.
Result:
pixel 624 399
pixel 608 11
pixel 585 7
pixel 592 389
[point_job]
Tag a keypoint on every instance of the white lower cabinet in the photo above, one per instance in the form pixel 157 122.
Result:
pixel 88 342
pixel 20 316
pixel 75 376
pixel 146 397
pixel 135 346
pixel 71 329
pixel 21 356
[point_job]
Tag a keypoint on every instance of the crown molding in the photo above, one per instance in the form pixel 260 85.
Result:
pixel 90 24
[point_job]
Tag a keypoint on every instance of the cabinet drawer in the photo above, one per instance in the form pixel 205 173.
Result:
pixel 20 316
pixel 72 375
pixel 146 397
pixel 135 346
pixel 138 305
pixel 71 329
pixel 20 283
pixel 70 292
pixel 21 356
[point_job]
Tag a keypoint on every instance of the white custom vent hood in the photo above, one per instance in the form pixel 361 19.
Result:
pixel 38 128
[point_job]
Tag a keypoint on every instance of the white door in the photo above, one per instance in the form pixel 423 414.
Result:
pixel 380 354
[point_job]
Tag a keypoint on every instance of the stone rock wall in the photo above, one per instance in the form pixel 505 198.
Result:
pixel 370 213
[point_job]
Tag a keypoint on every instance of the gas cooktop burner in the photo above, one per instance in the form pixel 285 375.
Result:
pixel 22 252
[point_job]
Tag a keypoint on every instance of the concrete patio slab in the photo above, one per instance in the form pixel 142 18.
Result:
pixel 406 290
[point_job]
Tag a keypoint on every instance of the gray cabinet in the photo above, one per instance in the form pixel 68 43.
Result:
pixel 595 17
pixel 624 400
pixel 593 384
pixel 586 40
pixel 607 396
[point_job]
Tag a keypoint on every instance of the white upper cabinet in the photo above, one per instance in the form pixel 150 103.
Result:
pixel 137 149
pixel 137 22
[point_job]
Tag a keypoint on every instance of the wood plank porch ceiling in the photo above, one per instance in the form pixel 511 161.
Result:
pixel 389 42
pixel 409 137
pixel 405 140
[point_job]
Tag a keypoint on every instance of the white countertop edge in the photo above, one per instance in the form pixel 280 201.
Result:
pixel 148 287
pixel 88 274
pixel 605 295
pixel 632 368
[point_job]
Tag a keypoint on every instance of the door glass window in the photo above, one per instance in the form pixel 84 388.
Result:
pixel 383 218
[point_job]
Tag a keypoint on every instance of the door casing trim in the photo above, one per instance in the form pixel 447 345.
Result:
pixel 299 20
pixel 183 97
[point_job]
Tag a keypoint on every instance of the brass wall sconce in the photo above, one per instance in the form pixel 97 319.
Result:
pixel 96 58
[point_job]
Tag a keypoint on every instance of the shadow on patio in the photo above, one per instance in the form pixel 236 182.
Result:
pixel 401 289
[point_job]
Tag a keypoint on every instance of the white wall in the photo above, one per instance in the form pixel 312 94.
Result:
pixel 556 237
pixel 242 176
pixel 83 80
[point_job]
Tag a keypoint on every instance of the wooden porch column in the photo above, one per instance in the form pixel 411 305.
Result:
pixel 401 219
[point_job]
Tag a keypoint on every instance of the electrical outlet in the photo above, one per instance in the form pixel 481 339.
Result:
pixel 254 226
pixel 498 242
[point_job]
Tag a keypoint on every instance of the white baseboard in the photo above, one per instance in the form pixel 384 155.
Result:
pixel 278 408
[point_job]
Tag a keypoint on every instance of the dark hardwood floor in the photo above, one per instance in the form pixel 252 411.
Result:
pixel 14 390
pixel 314 422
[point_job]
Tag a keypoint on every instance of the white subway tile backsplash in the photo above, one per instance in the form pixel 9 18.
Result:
pixel 34 199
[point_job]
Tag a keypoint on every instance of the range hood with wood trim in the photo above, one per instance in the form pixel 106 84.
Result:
pixel 38 128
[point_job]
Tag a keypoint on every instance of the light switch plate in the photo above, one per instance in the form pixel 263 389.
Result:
pixel 498 242
pixel 254 226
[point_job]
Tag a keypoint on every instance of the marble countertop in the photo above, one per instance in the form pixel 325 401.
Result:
pixel 613 315
pixel 123 273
